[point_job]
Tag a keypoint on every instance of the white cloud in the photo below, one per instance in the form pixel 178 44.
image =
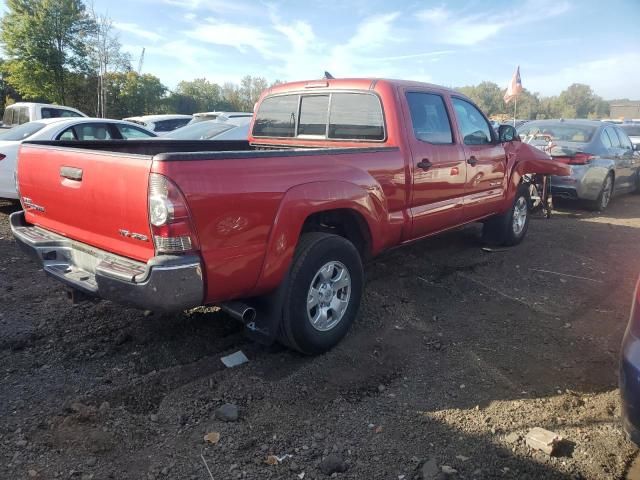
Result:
pixel 463 28
pixel 137 30
pixel 235 35
pixel 219 7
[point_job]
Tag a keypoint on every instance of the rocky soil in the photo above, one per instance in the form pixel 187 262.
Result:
pixel 456 354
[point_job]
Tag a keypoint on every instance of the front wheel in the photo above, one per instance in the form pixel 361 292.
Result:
pixel 511 227
pixel 323 297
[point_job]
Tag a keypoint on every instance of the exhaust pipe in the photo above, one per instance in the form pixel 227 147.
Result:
pixel 240 311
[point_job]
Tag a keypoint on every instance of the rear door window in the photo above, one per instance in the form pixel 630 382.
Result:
pixel 429 118
pixel 356 116
pixel 93 131
pixel 615 141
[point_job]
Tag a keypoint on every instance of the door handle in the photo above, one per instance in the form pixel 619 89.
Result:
pixel 425 164
pixel 71 173
pixel 472 161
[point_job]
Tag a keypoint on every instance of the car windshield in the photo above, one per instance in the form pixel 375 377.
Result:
pixel 631 130
pixel 199 131
pixel 560 132
pixel 23 131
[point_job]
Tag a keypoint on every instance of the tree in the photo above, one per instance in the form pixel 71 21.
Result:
pixel 44 40
pixel 105 56
pixel 488 96
pixel 207 95
pixel 249 92
pixel 131 94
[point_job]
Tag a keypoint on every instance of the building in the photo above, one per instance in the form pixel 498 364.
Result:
pixel 625 110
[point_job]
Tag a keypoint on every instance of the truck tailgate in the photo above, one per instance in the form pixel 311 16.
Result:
pixel 97 198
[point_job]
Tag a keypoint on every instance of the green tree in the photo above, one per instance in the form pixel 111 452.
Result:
pixel 488 96
pixel 44 40
pixel 207 95
pixel 130 94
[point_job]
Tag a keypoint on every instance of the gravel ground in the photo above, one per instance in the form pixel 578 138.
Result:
pixel 455 355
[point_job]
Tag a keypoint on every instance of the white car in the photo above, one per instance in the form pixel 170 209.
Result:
pixel 161 123
pixel 24 112
pixel 231 129
pixel 220 116
pixel 79 128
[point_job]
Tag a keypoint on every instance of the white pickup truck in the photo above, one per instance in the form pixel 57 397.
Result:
pixel 23 112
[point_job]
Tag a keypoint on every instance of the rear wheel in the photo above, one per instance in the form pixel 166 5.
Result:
pixel 511 227
pixel 325 288
pixel 606 192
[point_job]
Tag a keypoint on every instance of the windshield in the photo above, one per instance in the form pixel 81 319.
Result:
pixel 23 131
pixel 631 130
pixel 199 131
pixel 560 132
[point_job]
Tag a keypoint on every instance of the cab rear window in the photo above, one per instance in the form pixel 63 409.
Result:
pixel 335 116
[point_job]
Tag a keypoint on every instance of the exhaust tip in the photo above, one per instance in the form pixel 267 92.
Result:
pixel 249 315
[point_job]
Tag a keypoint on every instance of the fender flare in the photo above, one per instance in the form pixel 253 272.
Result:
pixel 304 200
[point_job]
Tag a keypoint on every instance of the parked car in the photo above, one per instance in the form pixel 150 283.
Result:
pixel 233 129
pixel 23 112
pixel 275 230
pixel 204 116
pixel 630 372
pixel 633 130
pixel 602 158
pixel 58 129
pixel 161 123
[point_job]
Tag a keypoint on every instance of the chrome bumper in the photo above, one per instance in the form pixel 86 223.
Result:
pixel 165 283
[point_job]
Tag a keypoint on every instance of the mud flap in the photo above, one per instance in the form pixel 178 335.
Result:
pixel 269 311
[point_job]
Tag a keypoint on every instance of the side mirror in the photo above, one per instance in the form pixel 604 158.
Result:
pixel 507 133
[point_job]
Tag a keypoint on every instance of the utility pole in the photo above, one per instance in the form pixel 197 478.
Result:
pixel 141 61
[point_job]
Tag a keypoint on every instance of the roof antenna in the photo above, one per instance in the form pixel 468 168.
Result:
pixel 328 76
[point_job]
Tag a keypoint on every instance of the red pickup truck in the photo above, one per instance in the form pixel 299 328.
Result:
pixel 275 230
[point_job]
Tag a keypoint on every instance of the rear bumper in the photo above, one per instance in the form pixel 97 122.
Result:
pixel 630 386
pixel 584 183
pixel 164 283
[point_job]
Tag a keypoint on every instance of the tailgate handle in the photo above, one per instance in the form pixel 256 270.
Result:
pixel 72 173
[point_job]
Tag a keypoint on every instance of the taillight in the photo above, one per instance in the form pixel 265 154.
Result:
pixel 169 217
pixel 581 158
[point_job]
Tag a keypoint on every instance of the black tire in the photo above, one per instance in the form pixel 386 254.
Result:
pixel 314 251
pixel 602 202
pixel 501 229
pixel 637 190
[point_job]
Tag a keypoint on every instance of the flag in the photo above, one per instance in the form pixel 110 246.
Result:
pixel 515 86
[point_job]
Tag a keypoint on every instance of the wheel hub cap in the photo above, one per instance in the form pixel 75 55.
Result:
pixel 520 210
pixel 328 296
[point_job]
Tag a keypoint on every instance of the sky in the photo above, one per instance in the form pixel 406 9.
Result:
pixel 451 43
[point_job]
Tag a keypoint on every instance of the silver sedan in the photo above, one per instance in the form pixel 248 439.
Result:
pixel 603 161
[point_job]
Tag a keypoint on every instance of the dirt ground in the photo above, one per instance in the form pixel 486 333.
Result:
pixel 455 355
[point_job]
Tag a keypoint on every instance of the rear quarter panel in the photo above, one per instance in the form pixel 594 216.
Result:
pixel 244 209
